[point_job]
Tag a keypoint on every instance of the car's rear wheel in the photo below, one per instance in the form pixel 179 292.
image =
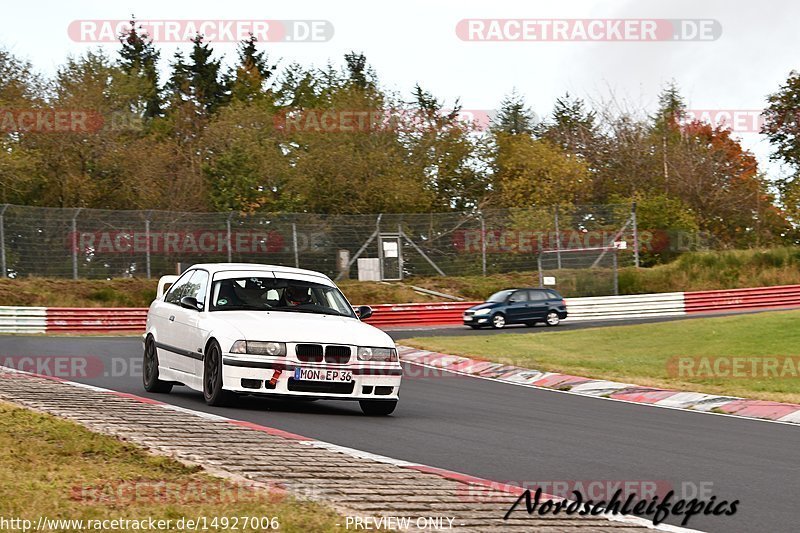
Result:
pixel 150 370
pixel 377 408
pixel 213 393
pixel 552 319
pixel 499 321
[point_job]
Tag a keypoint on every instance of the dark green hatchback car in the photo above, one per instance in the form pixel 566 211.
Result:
pixel 518 306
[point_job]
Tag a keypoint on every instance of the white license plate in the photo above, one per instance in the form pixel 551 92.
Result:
pixel 322 374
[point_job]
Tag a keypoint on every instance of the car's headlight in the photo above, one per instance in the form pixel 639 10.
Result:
pixel 376 354
pixel 272 349
pixel 484 311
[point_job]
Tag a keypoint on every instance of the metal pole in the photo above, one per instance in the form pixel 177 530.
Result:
pixel 539 268
pixel 228 238
pixel 616 276
pixel 294 244
pixel 558 240
pixel 147 240
pixel 75 243
pixel 400 250
pixel 635 236
pixel 483 245
pixel 3 242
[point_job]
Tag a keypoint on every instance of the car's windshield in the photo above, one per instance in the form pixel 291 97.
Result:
pixel 501 296
pixel 276 294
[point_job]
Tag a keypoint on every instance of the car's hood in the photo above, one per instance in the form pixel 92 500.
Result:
pixel 485 305
pixel 302 327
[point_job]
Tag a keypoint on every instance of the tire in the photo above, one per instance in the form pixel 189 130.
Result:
pixel 150 370
pixel 213 393
pixel 552 319
pixel 377 407
pixel 499 321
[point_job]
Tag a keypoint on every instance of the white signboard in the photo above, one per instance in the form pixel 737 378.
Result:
pixel 549 280
pixel 389 248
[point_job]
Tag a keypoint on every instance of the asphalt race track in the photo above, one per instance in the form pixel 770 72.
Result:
pixel 514 434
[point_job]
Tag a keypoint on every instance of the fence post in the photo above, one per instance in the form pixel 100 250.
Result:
pixel 3 242
pixel 483 245
pixel 558 239
pixel 75 243
pixel 294 245
pixel 539 268
pixel 147 240
pixel 228 237
pixel 616 274
pixel 635 235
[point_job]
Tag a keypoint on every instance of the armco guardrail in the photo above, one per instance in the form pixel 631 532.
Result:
pixel 23 319
pixel 743 299
pixel 631 306
pixel 94 320
pixel 90 320
pixel 432 314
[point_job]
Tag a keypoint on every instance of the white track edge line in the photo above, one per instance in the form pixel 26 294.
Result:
pixel 584 395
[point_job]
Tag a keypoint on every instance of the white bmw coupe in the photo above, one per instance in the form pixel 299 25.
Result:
pixel 227 329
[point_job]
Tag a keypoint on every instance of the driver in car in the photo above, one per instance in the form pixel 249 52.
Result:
pixel 295 295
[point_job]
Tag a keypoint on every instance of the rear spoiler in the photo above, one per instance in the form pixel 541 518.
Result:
pixel 164 282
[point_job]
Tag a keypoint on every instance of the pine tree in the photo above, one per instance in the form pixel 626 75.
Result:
pixel 572 127
pixel 139 59
pixel 252 72
pixel 514 116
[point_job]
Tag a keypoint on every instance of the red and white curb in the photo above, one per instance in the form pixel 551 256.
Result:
pixel 690 401
pixel 352 452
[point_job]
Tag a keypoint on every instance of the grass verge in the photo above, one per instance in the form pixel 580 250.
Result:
pixel 57 469
pixel 646 354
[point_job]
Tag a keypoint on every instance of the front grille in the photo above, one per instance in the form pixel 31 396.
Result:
pixel 337 354
pixel 309 353
pixel 324 387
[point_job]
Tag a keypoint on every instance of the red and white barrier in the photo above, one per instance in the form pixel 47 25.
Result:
pixel 119 319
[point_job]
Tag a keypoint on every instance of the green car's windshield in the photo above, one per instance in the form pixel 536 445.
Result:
pixel 501 296
pixel 277 294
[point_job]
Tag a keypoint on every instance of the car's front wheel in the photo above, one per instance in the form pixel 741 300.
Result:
pixel 213 393
pixel 499 321
pixel 552 319
pixel 378 408
pixel 150 369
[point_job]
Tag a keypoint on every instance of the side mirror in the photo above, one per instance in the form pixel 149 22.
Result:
pixel 364 312
pixel 190 302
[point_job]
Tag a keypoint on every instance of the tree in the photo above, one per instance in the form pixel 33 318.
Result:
pixel 514 117
pixel 535 172
pixel 445 150
pixel 139 60
pixel 252 73
pixel 573 128
pixel 198 80
pixel 782 128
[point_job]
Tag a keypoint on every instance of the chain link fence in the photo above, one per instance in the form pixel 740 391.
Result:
pixel 101 244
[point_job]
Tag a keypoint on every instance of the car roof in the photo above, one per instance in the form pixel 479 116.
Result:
pixel 223 267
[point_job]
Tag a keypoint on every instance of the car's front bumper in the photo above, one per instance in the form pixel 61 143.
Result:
pixel 476 320
pixel 374 381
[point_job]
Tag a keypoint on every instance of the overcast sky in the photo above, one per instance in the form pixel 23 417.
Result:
pixel 415 41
